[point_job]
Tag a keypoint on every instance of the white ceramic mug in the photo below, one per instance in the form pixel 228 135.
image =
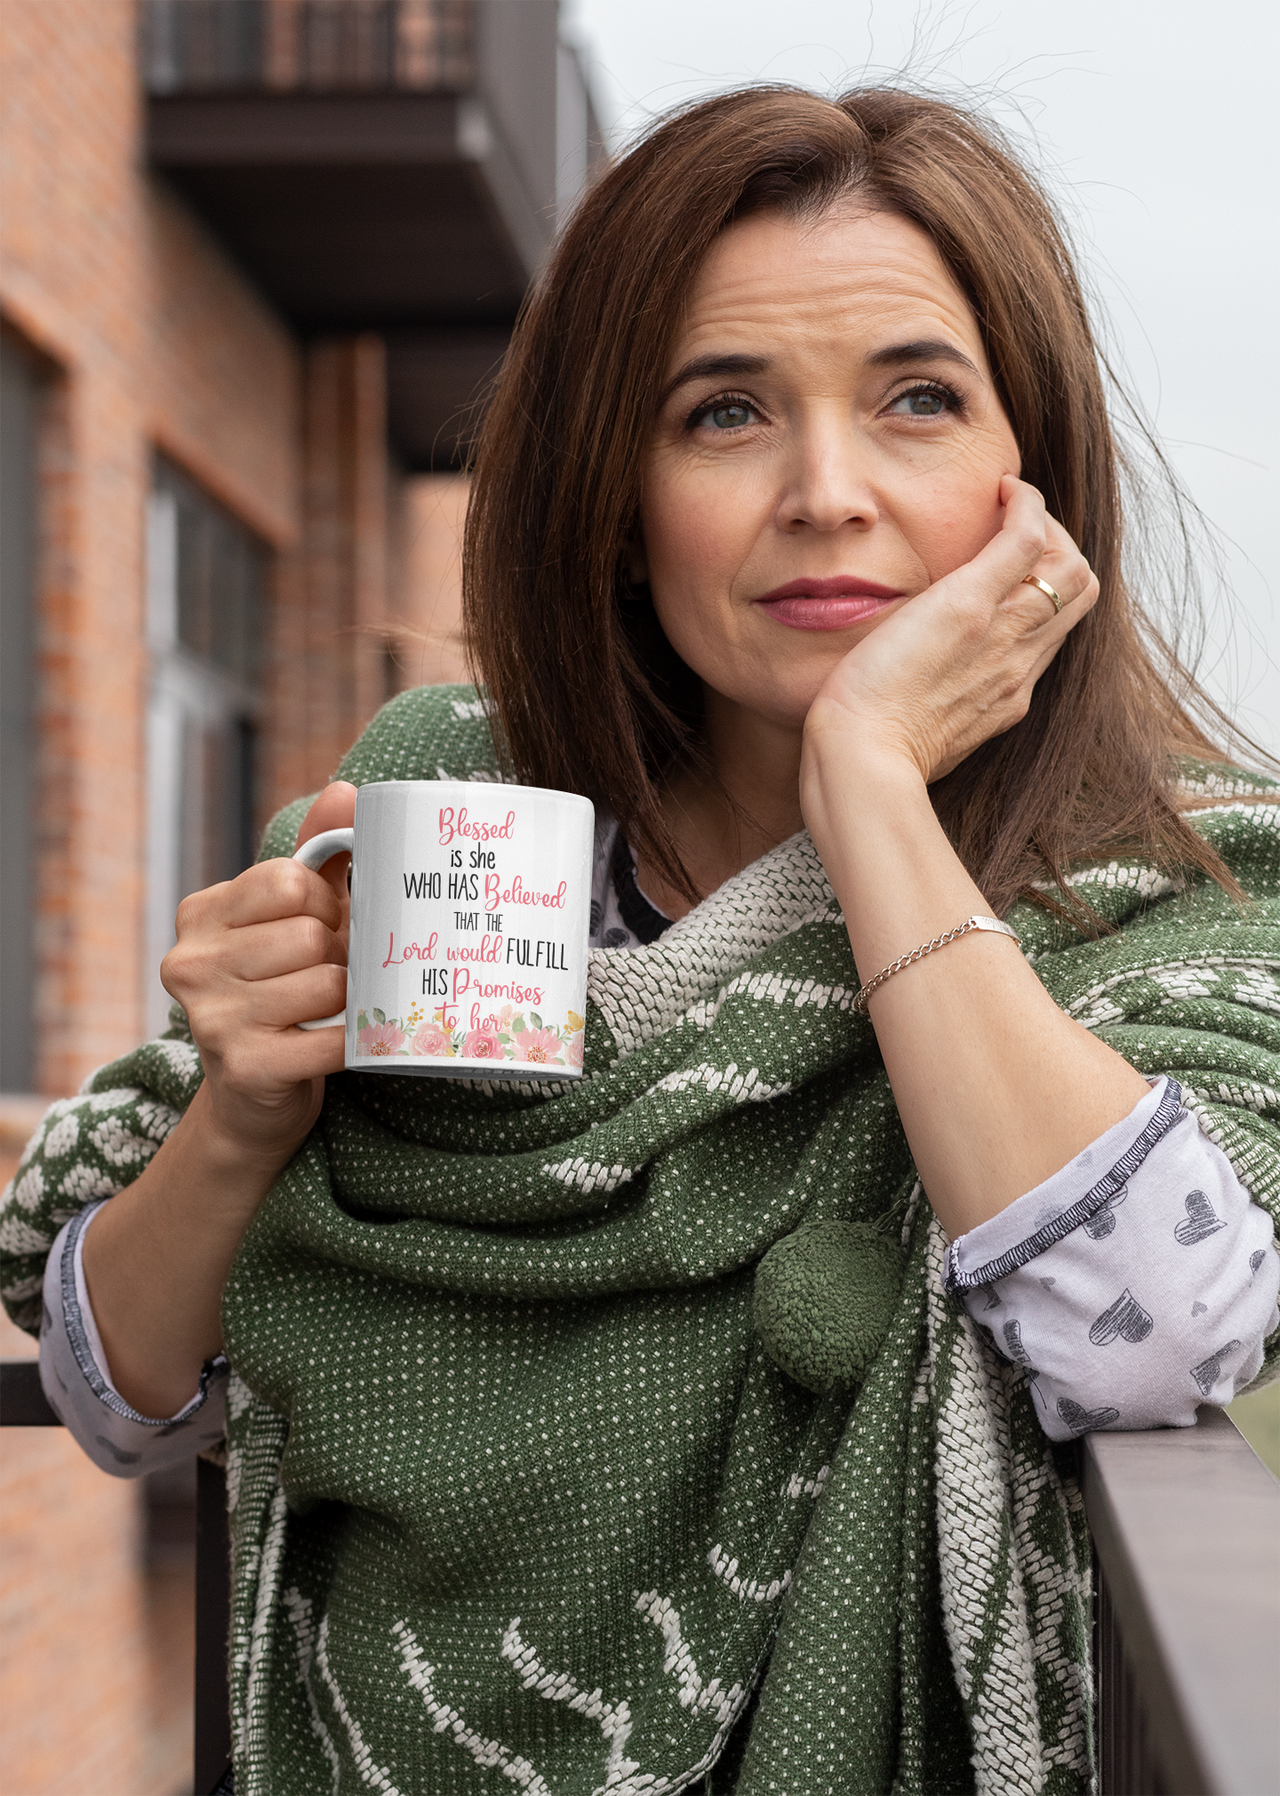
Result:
pixel 470 909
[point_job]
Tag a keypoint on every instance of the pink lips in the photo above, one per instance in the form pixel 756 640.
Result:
pixel 831 604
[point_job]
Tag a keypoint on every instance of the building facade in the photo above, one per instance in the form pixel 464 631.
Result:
pixel 258 259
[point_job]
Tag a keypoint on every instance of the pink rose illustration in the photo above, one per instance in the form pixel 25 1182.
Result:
pixel 380 1038
pixel 573 1052
pixel 540 1047
pixel 482 1043
pixel 431 1039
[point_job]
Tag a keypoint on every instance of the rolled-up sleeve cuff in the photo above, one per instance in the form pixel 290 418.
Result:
pixel 1136 1284
pixel 1080 1195
pixel 77 1382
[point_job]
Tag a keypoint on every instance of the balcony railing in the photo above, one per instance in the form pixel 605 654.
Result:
pixel 23 1405
pixel 1186 1530
pixel 373 165
pixel 320 46
pixel 388 166
pixel 1186 1534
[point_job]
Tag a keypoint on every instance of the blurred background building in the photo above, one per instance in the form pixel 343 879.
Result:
pixel 258 261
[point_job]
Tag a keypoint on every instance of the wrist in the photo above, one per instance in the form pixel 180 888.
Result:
pixel 849 787
pixel 237 1145
pixel 897 877
pixel 838 733
pixel 838 746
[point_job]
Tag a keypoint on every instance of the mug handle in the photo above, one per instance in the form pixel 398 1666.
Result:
pixel 314 854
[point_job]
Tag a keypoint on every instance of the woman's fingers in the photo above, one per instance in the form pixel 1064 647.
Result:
pixel 261 894
pixel 211 953
pixel 248 1042
pixel 255 956
pixel 301 997
pixel 1063 567
pixel 259 953
pixel 1031 543
pixel 959 663
pixel 285 945
pixel 259 1066
pixel 1014 550
pixel 334 809
pixel 279 1003
pixel 282 888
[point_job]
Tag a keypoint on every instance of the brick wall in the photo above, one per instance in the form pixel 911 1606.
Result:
pixel 149 338
pixel 427 589
pixel 370 601
pixel 96 1652
pixel 153 338
pixel 327 674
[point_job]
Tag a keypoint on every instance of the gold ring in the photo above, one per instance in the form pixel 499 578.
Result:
pixel 1046 589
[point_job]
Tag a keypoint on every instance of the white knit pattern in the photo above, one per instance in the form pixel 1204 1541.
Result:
pixel 975 1468
pixel 643 993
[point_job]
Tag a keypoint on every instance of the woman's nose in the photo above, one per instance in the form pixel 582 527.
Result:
pixel 828 483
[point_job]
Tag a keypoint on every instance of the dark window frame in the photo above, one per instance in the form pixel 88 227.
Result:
pixel 208 605
pixel 25 383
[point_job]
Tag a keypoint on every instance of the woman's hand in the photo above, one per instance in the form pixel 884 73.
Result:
pixel 956 665
pixel 996 1088
pixel 255 956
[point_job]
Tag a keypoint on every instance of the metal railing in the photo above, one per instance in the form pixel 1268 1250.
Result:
pixel 23 1404
pixel 1186 1536
pixel 317 46
pixel 1186 1532
pixel 384 90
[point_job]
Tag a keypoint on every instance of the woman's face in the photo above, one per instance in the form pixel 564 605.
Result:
pixel 830 443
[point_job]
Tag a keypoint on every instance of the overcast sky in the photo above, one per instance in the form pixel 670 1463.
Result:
pixel 1155 123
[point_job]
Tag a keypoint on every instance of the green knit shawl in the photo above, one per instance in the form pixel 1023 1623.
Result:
pixel 521 1493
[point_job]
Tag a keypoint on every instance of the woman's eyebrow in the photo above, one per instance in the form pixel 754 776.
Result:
pixel 715 367
pixel 725 367
pixel 923 349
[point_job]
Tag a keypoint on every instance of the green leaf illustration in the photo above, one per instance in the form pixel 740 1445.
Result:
pixel 379 1016
pixel 535 1019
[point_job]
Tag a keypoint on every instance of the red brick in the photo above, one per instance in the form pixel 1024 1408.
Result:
pixel 153 339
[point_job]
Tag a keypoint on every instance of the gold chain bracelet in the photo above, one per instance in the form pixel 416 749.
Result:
pixel 939 941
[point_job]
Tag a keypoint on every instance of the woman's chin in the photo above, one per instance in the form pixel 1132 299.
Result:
pixel 775 674
pixel 783 705
pixel 794 682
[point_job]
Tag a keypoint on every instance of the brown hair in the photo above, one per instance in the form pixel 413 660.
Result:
pixel 588 696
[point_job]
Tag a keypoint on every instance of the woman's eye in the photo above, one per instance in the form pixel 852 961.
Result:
pixel 921 402
pixel 727 414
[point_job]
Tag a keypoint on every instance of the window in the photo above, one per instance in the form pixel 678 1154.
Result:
pixel 20 398
pixel 206 603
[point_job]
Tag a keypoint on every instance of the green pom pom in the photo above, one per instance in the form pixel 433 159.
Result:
pixel 824 1299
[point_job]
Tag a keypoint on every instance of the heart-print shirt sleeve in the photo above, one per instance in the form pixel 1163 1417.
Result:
pixel 78 1384
pixel 1135 1284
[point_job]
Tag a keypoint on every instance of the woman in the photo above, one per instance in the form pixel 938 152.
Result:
pixel 698 1424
